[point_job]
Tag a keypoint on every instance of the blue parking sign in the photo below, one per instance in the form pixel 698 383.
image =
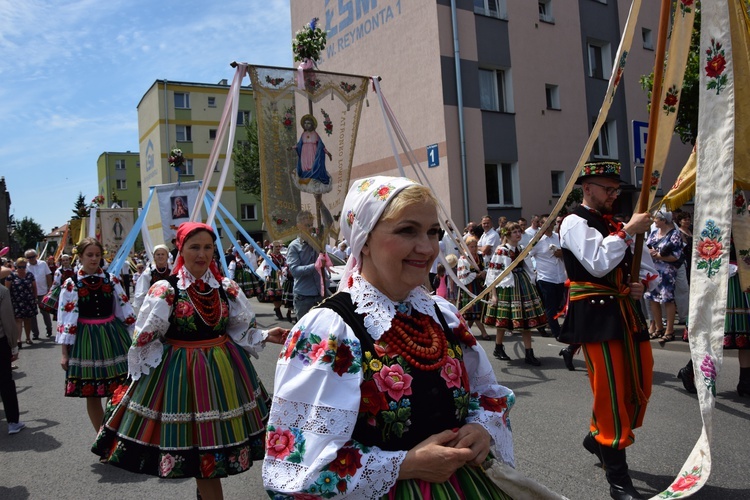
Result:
pixel 640 136
pixel 433 157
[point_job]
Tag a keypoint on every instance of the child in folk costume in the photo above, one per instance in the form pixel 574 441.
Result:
pixel 514 302
pixel 473 280
pixel 95 323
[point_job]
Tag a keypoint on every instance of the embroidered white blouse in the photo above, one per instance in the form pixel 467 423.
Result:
pixel 153 321
pixel 316 404
pixel 67 308
pixel 501 259
pixel 142 285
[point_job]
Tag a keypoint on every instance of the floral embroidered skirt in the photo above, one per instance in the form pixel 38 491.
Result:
pixel 518 307
pixel 466 482
pixel 737 319
pixel 201 413
pixel 98 360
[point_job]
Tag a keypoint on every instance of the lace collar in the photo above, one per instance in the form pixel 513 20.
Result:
pixel 379 310
pixel 185 279
pixel 83 274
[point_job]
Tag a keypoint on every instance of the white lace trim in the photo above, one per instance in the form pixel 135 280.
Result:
pixel 379 310
pixel 323 420
pixel 206 416
pixel 502 438
pixel 377 476
pixel 90 363
pixel 142 359
pixel 185 279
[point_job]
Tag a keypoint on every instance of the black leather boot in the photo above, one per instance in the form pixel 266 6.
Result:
pixel 616 466
pixel 567 354
pixel 593 447
pixel 687 375
pixel 500 353
pixel 531 359
pixel 743 388
pixel 277 310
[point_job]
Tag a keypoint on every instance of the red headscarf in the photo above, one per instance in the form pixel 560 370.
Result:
pixel 185 231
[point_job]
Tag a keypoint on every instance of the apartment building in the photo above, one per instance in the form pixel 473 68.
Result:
pixel 119 179
pixel 506 92
pixel 186 115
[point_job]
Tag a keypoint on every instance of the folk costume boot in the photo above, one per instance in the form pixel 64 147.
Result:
pixel 567 354
pixel 531 359
pixel 616 466
pixel 593 447
pixel 500 353
pixel 277 310
pixel 687 375
pixel 743 388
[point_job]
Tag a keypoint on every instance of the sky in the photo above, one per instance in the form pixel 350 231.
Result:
pixel 73 71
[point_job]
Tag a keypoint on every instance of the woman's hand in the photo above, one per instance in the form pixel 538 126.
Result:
pixel 436 458
pixel 477 439
pixel 636 291
pixel 64 362
pixel 277 335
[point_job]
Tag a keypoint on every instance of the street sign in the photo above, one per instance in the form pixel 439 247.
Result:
pixel 433 157
pixel 640 135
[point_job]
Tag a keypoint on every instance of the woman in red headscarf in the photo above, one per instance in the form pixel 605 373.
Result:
pixel 196 407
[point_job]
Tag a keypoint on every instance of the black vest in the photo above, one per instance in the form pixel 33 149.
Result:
pixel 96 297
pixel 596 319
pixel 432 403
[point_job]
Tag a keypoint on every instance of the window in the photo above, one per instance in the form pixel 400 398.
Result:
pixel 606 145
pixel 243 117
pixel 188 167
pixel 545 11
pixel 212 134
pixel 553 96
pixel 492 8
pixel 138 183
pixel 494 90
pixel 121 183
pixel 558 182
pixel 648 39
pixel 243 144
pixel 216 166
pixel 248 212
pixel 140 204
pixel 182 100
pixel 123 203
pixel 211 102
pixel 119 164
pixel 184 133
pixel 138 164
pixel 600 60
pixel 218 232
pixel 501 181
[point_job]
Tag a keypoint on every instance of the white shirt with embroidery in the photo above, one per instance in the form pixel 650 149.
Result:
pixel 67 308
pixel 317 404
pixel 501 259
pixel 153 321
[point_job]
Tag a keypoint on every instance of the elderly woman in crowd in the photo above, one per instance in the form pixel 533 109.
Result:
pixel 665 246
pixel 381 390
pixel 196 407
pixel 157 270
pixel 22 286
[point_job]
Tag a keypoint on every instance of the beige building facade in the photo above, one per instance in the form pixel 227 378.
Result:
pixel 186 115
pixel 510 129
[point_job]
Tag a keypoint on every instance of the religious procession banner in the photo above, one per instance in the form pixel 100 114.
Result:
pixel 175 202
pixel 307 131
pixel 115 224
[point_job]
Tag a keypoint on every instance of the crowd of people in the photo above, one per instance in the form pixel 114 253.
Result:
pixel 381 389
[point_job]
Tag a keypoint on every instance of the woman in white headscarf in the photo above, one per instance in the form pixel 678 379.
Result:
pixel 381 390
pixel 157 270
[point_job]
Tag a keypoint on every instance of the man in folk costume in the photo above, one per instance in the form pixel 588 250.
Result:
pixel 605 318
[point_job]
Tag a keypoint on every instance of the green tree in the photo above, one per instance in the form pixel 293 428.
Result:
pixel 28 233
pixel 80 208
pixel 686 125
pixel 247 161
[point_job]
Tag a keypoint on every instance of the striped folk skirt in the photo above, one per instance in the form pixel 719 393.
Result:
pixel 201 413
pixel 98 360
pixel 476 311
pixel 518 307
pixel 737 319
pixel 466 482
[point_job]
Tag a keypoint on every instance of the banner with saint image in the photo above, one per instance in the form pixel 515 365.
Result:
pixel 307 131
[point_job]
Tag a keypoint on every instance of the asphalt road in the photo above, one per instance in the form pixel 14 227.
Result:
pixel 51 458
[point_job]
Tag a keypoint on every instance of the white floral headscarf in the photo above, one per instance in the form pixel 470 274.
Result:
pixel 363 206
